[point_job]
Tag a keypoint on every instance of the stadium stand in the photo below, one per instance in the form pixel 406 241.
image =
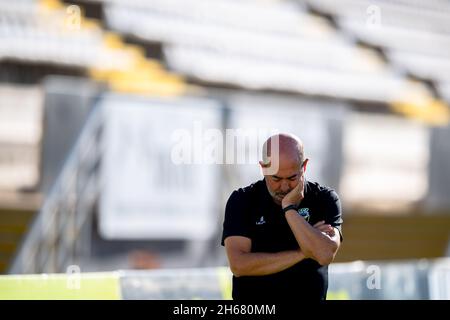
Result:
pixel 304 54
pixel 414 36
pixel 370 73
pixel 36 32
pixel 41 38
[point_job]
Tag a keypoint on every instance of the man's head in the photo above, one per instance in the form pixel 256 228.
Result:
pixel 283 164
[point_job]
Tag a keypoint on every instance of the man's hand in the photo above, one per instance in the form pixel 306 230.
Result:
pixel 326 229
pixel 296 195
pixel 319 242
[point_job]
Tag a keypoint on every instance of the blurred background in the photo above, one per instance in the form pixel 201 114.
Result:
pixel 97 95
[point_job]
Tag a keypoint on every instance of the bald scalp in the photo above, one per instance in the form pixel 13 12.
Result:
pixel 283 145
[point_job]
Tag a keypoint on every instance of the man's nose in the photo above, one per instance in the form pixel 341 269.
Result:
pixel 285 186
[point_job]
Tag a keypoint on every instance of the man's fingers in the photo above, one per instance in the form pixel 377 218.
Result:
pixel 328 234
pixel 319 223
pixel 298 188
pixel 325 227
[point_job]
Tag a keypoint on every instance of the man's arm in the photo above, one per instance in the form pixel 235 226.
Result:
pixel 243 262
pixel 320 246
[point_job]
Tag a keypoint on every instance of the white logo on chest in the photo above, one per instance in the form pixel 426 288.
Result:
pixel 261 221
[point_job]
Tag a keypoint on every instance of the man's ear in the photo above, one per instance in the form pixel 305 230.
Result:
pixel 264 167
pixel 305 163
pixel 270 167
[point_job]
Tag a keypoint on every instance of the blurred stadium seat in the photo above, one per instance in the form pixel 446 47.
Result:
pixel 47 32
pixel 318 60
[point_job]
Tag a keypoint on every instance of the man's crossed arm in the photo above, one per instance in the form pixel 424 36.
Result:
pixel 243 262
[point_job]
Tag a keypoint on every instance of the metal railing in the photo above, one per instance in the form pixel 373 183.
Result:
pixel 55 239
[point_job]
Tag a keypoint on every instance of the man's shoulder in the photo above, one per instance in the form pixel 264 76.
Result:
pixel 248 192
pixel 317 190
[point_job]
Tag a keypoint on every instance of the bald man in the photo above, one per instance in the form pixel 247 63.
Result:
pixel 282 232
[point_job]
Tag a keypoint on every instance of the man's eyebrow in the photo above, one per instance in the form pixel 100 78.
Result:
pixel 293 176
